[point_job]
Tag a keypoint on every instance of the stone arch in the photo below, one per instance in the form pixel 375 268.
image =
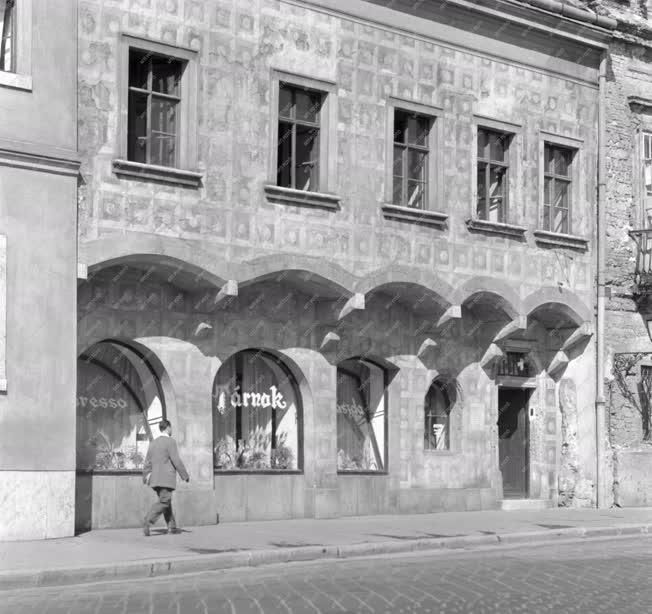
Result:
pixel 563 301
pixel 305 270
pixel 496 291
pixel 410 276
pixel 147 249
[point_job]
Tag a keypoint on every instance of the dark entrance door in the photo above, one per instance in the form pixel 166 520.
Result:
pixel 513 444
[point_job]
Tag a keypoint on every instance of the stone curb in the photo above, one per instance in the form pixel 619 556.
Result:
pixel 151 568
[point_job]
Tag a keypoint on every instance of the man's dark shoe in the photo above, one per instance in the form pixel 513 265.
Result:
pixel 174 530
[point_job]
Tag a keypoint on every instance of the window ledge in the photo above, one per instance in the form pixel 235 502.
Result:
pixel 137 472
pixel 16 81
pixel 152 172
pixel 510 230
pixel 360 472
pixel 418 216
pixel 257 472
pixel 558 239
pixel 290 196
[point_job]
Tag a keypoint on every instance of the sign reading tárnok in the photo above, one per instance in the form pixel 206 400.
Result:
pixel 263 400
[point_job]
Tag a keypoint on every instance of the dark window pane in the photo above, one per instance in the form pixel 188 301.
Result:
pixel 548 155
pixel 482 179
pixel 285 102
pixel 137 131
pixel 416 194
pixel 398 160
pixel 138 69
pixel 483 139
pixel 561 193
pixel 164 115
pixel 397 191
pixel 498 146
pixel 166 75
pixel 560 223
pixel 547 190
pixel 417 165
pixel 562 162
pixel 284 170
pixel 400 126
pixel 306 157
pixel 546 217
pixel 163 149
pixel 497 181
pixel 418 131
pixel 308 106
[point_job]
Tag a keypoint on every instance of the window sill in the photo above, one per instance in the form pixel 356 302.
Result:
pixel 360 472
pixel 440 452
pixel 498 228
pixel 138 472
pixel 152 172
pixel 417 216
pixel 15 81
pixel 558 239
pixel 301 198
pixel 257 472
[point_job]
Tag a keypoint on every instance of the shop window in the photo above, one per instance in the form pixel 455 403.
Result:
pixel 299 112
pixel 411 159
pixel 492 175
pixel 437 418
pixel 361 416
pixel 516 364
pixel 256 415
pixel 557 184
pixel 119 402
pixel 8 30
pixel 154 101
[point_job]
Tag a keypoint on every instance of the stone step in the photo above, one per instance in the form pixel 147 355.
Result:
pixel 525 504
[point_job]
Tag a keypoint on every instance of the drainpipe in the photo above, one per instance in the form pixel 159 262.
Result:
pixel 600 287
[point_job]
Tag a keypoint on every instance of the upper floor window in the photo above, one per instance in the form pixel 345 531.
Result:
pixel 8 29
pixel 154 102
pixel 647 172
pixel 299 111
pixel 411 151
pixel 492 174
pixel 557 180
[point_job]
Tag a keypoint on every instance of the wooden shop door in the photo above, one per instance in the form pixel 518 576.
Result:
pixel 513 441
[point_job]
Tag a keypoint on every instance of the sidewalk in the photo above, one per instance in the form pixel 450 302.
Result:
pixel 126 553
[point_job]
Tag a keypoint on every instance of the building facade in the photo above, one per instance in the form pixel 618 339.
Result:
pixel 38 266
pixel 348 250
pixel 628 349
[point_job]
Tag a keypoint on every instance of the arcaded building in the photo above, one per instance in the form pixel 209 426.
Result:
pixel 348 250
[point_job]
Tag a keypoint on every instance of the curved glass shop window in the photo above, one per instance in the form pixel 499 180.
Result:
pixel 437 418
pixel 361 416
pixel 256 415
pixel 118 403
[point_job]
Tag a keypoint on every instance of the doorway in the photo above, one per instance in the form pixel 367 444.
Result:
pixel 513 441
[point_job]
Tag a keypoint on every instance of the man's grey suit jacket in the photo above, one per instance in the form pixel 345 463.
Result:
pixel 163 462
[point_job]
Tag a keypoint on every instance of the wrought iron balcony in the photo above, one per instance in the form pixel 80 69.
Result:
pixel 643 270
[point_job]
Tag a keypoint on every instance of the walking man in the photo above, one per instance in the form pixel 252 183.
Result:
pixel 160 472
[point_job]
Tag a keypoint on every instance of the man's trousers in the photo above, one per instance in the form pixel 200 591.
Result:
pixel 162 506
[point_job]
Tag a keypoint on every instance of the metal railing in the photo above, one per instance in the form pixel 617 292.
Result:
pixel 643 270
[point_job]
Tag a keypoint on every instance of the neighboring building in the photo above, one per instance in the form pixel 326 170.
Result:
pixel 38 266
pixel 629 253
pixel 347 250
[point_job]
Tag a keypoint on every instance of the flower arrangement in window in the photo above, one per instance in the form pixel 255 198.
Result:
pixel 253 452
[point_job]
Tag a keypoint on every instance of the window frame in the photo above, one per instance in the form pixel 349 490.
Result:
pixel 184 173
pixel 239 357
pixel 577 223
pixel 645 197
pixel 20 77
pixel 385 452
pixel 324 197
pixel 295 123
pixel 554 178
pixel 442 385
pixel 433 203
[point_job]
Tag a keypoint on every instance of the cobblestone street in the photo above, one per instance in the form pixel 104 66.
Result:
pixel 603 575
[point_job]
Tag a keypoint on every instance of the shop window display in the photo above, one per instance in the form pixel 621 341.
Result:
pixel 256 415
pixel 118 403
pixel 361 416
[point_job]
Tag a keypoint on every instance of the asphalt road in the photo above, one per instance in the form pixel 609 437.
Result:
pixel 609 575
